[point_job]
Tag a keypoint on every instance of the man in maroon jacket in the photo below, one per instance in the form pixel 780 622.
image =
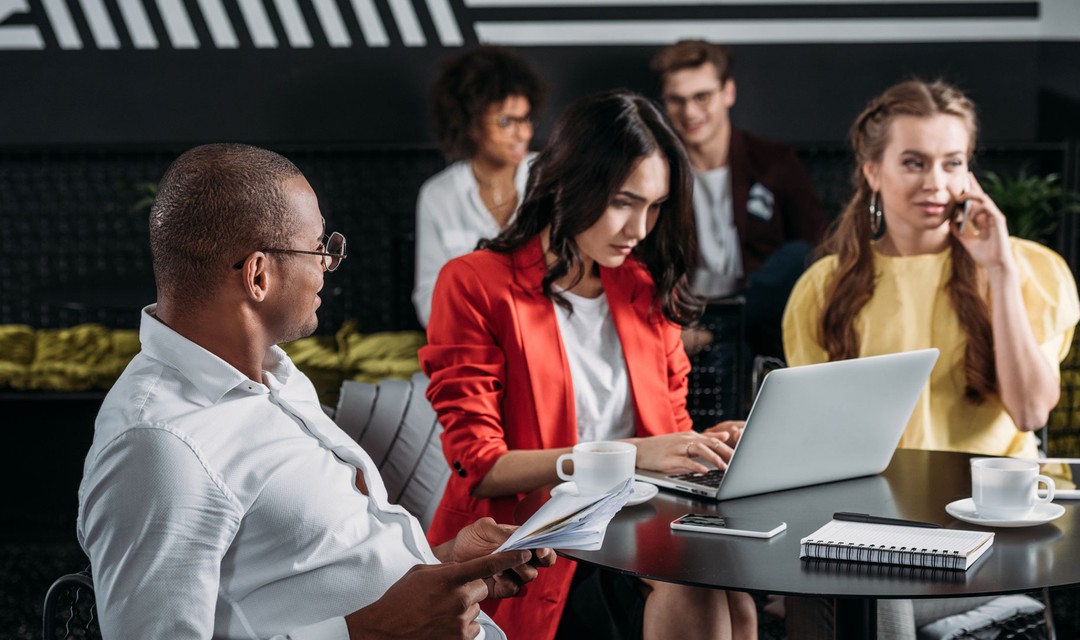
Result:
pixel 758 214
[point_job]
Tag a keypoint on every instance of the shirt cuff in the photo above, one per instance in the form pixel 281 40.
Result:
pixel 332 629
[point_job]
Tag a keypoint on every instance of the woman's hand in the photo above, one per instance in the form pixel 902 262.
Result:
pixel 729 431
pixel 986 234
pixel 682 452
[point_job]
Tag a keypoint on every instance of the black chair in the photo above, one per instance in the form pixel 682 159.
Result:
pixel 70 610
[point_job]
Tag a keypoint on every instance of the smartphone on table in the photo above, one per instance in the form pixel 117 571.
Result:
pixel 750 526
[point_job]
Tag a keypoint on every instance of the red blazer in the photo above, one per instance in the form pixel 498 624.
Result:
pixel 500 380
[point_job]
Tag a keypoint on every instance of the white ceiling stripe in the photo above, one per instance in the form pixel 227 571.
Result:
pixel 219 24
pixel 370 23
pixel 490 4
pixel 408 24
pixel 101 26
pixel 178 24
pixel 293 21
pixel 332 23
pixel 258 24
pixel 652 32
pixel 138 25
pixel 18 36
pixel 445 23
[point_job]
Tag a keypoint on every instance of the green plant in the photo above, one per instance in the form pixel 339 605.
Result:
pixel 147 192
pixel 1032 204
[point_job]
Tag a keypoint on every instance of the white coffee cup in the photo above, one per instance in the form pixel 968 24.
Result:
pixel 1007 488
pixel 598 466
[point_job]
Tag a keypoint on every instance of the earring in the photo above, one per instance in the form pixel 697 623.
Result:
pixel 877 217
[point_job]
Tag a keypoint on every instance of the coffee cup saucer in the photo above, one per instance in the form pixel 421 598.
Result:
pixel 1042 513
pixel 643 491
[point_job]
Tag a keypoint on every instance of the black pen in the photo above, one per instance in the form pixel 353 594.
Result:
pixel 865 517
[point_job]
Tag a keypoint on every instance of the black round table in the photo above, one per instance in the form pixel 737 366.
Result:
pixel 916 486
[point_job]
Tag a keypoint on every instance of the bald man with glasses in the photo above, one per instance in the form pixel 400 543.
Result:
pixel 218 500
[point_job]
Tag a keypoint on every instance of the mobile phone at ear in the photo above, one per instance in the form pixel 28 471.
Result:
pixel 965 210
pixel 728 525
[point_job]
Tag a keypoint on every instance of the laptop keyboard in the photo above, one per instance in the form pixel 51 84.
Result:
pixel 709 479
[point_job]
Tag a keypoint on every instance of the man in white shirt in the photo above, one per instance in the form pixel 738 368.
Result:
pixel 218 500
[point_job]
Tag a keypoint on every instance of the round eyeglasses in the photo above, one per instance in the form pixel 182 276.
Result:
pixel 334 245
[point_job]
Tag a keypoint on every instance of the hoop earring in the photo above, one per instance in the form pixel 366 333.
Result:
pixel 877 217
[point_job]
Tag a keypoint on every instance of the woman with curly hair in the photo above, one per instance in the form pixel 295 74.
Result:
pixel 907 268
pixel 482 111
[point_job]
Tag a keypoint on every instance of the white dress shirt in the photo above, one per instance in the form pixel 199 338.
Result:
pixel 215 506
pixel 450 219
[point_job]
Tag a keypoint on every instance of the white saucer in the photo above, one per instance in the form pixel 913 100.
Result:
pixel 643 491
pixel 1042 513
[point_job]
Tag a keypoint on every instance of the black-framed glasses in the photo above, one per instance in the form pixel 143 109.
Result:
pixel 701 99
pixel 507 123
pixel 331 257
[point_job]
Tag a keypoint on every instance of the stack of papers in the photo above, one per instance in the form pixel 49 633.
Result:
pixel 570 521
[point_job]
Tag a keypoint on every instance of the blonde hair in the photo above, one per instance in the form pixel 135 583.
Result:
pixel 849 238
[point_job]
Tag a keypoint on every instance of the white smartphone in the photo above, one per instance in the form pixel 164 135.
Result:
pixel 728 525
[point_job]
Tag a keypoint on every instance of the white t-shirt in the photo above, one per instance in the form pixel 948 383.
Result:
pixel 718 239
pixel 602 398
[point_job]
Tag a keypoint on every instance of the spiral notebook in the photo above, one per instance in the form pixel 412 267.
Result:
pixel 897 545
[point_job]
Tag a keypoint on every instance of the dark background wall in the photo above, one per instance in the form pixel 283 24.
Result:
pixel 89 72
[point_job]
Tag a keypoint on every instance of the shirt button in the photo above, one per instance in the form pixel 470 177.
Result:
pixel 462 473
pixel 457 465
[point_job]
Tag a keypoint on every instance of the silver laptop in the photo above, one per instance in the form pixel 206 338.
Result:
pixel 817 423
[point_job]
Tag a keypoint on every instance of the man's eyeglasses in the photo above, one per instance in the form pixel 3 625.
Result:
pixel 334 245
pixel 700 99
pixel 507 123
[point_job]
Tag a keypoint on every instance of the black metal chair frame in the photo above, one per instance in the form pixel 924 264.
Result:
pixel 83 584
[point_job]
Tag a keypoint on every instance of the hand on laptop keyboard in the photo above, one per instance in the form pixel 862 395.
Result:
pixel 685 452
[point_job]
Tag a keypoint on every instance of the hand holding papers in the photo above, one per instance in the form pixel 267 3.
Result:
pixel 570 521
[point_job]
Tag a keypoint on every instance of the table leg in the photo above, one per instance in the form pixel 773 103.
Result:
pixel 856 618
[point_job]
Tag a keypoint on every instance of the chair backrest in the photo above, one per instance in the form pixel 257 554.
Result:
pixel 70 610
pixel 397 427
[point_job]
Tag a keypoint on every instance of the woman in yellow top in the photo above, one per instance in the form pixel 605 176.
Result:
pixel 903 270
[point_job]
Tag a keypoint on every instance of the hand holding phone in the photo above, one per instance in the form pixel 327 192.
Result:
pixel 965 211
pixel 728 525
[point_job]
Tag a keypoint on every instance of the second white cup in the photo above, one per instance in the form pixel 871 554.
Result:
pixel 1006 488
pixel 598 466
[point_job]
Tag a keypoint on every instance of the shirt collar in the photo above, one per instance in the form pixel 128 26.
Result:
pixel 209 374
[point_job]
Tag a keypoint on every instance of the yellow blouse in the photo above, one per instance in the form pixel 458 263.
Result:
pixel 910 310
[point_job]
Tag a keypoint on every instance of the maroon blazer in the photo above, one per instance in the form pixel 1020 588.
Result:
pixel 500 380
pixel 773 199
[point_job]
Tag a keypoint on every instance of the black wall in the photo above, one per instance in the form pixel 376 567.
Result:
pixel 72 85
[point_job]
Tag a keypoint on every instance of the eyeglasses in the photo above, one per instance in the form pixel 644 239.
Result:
pixel 332 257
pixel 700 99
pixel 513 122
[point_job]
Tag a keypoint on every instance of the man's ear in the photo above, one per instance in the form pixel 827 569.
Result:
pixel 256 277
pixel 729 92
pixel 870 172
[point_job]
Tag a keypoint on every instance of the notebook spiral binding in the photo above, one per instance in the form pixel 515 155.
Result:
pixel 905 556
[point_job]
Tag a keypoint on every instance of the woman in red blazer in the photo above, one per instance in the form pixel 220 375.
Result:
pixel 605 233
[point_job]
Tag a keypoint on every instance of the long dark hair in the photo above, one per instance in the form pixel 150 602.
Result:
pixel 849 239
pixel 593 149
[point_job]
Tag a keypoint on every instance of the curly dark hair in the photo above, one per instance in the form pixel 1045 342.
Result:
pixel 468 84
pixel 595 146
